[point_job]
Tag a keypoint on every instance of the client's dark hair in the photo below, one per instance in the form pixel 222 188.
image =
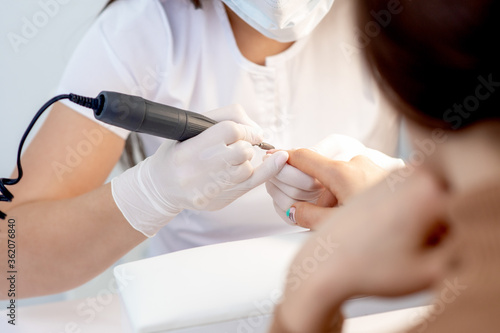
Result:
pixel 438 60
pixel 196 3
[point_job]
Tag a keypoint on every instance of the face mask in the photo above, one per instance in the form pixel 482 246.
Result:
pixel 282 20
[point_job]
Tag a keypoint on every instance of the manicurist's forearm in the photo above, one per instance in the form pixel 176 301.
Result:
pixel 62 244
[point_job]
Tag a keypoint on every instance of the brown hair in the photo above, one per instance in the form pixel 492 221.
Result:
pixel 437 59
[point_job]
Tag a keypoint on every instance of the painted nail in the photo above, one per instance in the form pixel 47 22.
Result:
pixel 290 213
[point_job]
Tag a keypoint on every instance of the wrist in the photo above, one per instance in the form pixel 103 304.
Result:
pixel 328 323
pixel 132 195
pixel 313 307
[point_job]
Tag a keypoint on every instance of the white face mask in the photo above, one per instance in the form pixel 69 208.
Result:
pixel 282 20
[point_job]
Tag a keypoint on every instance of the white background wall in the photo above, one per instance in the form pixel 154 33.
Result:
pixel 30 71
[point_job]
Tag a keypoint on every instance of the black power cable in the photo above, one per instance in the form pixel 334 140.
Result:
pixel 133 113
pixel 5 194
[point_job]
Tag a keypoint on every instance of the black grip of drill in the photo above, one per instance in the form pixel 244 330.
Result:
pixel 139 115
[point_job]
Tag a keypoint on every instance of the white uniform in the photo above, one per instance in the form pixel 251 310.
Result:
pixel 169 52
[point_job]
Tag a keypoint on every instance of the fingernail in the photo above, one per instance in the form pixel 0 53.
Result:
pixel 290 213
pixel 271 151
pixel 281 159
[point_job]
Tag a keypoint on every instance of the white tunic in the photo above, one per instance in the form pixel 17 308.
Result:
pixel 169 52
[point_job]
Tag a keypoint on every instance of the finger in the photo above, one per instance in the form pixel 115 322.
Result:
pixel 441 259
pixel 233 112
pixel 367 170
pixel 281 200
pixel 293 176
pixel 315 165
pixel 296 193
pixel 283 215
pixel 423 203
pixel 233 132
pixel 271 151
pixel 327 199
pixel 436 234
pixel 239 173
pixel 268 169
pixel 210 142
pixel 238 153
pixel 432 266
pixel 224 133
pixel 230 175
pixel 308 215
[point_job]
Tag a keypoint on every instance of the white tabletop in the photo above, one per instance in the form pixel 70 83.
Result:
pixel 76 316
pixel 83 316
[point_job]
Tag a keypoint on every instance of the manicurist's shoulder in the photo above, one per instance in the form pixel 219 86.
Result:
pixel 150 37
pixel 151 21
pixel 133 15
pixel 137 34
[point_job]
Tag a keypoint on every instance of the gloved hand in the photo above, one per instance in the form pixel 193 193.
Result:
pixel 206 172
pixel 291 185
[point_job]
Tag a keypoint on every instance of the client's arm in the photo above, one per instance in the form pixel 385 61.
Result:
pixel 384 243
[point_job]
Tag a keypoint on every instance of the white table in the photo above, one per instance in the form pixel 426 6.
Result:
pixel 66 317
pixel 77 317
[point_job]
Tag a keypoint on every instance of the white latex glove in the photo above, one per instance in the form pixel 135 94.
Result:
pixel 206 172
pixel 291 185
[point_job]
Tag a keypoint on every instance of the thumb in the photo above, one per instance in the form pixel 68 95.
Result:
pixel 307 215
pixel 268 169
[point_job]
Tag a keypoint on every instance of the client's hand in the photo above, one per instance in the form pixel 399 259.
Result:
pixel 206 172
pixel 381 243
pixel 352 166
pixel 341 180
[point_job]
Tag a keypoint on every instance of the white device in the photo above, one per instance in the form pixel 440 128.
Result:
pixel 228 287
